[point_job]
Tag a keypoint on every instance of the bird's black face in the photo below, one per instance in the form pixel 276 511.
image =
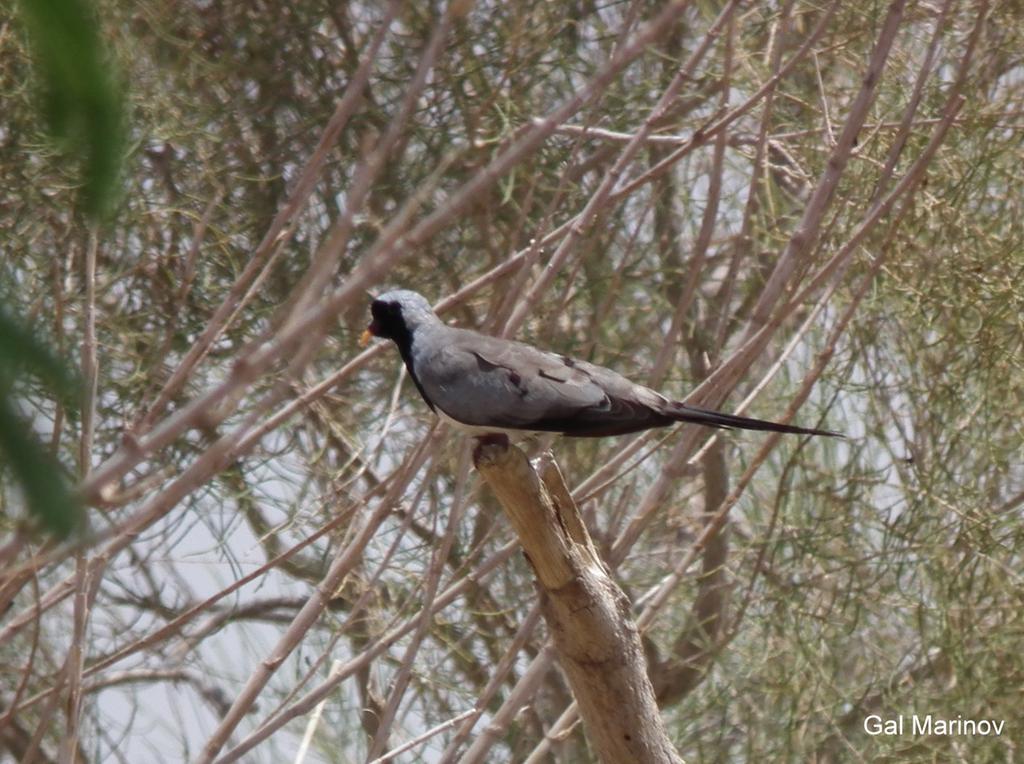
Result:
pixel 388 322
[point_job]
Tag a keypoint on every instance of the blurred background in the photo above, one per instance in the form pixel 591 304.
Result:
pixel 771 204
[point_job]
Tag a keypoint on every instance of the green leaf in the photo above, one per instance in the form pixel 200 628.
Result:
pixel 46 490
pixel 47 495
pixel 21 350
pixel 80 101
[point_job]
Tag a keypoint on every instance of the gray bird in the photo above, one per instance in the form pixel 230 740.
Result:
pixel 491 385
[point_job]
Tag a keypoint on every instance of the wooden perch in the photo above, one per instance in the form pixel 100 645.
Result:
pixel 589 617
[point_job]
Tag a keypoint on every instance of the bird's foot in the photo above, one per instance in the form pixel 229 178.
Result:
pixel 496 439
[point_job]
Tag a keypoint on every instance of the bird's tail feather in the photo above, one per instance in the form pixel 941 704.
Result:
pixel 695 415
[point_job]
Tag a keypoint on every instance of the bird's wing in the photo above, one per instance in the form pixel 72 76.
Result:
pixel 491 382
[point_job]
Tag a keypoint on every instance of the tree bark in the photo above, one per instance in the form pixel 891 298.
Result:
pixel 589 616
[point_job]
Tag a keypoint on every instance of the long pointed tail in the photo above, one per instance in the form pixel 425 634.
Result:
pixel 695 415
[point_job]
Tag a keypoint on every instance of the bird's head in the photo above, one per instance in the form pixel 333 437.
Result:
pixel 396 315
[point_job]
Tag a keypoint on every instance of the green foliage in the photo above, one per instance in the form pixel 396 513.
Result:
pixel 48 497
pixel 78 95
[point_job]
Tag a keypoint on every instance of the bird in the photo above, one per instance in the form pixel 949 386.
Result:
pixel 492 387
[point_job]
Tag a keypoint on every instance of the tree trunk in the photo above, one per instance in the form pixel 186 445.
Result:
pixel 590 618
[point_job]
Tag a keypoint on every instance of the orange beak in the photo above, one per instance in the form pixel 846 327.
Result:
pixel 365 337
